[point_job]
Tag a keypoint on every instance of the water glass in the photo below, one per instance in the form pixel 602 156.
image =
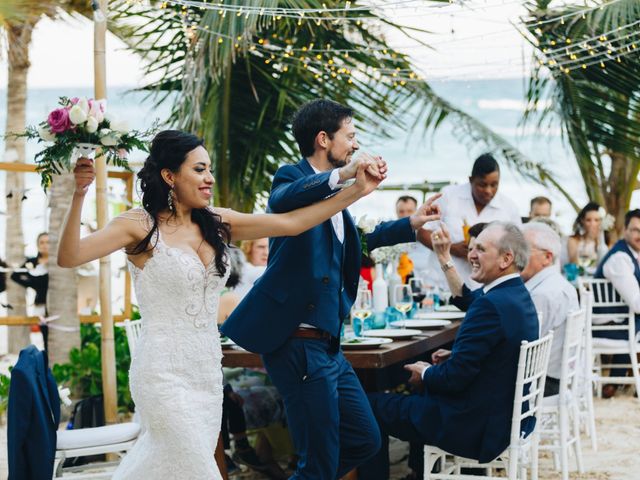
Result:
pixel 403 297
pixel 361 310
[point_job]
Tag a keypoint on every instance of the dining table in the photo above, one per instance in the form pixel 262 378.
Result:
pixel 370 364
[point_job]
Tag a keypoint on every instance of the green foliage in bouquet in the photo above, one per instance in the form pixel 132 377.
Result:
pixel 79 127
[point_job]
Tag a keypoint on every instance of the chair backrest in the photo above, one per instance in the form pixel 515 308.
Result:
pixel 609 310
pixel 133 329
pixel 586 304
pixel 605 297
pixel 572 364
pixel 532 371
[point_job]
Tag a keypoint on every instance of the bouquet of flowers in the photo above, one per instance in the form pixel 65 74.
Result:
pixel 77 128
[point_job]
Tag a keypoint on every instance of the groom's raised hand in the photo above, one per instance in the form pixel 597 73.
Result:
pixel 375 167
pixel 365 180
pixel 428 212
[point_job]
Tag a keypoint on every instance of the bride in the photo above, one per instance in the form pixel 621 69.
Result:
pixel 176 248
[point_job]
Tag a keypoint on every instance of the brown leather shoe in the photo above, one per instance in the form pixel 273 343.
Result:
pixel 609 390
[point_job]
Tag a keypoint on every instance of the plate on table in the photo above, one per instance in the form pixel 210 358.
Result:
pixel 364 343
pixel 421 323
pixel 226 342
pixel 439 315
pixel 447 308
pixel 400 333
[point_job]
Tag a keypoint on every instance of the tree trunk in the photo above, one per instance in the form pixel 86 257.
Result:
pixel 18 39
pixel 62 299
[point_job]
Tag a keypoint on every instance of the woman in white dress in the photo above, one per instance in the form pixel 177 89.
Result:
pixel 177 254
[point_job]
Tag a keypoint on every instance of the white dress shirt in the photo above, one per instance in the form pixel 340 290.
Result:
pixel 555 298
pixel 337 221
pixel 250 273
pixel 619 270
pixel 456 206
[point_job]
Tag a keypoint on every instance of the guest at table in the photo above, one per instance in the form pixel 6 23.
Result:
pixel 587 245
pixel 539 207
pixel 37 278
pixel 256 254
pixel 415 260
pixel 467 204
pixel 467 402
pixel 553 296
pixel 620 267
pixel 249 401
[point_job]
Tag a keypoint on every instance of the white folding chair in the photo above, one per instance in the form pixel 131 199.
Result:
pixel 560 422
pixel 585 396
pixel 133 329
pixel 522 453
pixel 116 439
pixel 606 297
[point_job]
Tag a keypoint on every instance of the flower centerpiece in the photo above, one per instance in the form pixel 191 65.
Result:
pixel 78 127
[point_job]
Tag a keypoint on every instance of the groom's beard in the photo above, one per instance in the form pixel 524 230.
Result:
pixel 335 162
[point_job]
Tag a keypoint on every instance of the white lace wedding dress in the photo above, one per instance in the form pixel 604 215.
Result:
pixel 176 374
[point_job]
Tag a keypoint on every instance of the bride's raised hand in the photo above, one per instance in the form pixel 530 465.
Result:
pixel 85 174
pixel 365 180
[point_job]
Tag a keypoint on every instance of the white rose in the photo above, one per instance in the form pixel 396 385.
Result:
pixel 46 135
pixel 83 103
pixel 77 115
pixel 367 225
pixel 92 124
pixel 118 125
pixel 109 138
pixel 96 112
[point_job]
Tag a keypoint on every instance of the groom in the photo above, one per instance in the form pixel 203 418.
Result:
pixel 294 313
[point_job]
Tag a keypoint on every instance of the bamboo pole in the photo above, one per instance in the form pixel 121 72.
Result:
pixel 109 387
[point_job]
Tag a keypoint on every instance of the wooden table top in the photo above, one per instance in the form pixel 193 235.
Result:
pixel 384 356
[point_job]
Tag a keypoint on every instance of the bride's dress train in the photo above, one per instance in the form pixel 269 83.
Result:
pixel 176 375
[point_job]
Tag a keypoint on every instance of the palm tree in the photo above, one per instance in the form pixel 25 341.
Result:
pixel 586 68
pixel 18 25
pixel 18 19
pixel 238 77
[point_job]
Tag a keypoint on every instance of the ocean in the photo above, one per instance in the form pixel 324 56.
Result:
pixel 411 156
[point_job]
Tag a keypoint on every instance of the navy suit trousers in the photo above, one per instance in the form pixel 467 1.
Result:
pixel 329 417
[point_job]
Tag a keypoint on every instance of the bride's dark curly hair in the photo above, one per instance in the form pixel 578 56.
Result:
pixel 169 149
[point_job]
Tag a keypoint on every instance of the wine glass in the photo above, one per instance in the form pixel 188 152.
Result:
pixel 361 311
pixel 403 297
pixel 418 290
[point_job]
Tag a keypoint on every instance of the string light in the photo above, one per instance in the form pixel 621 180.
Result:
pixel 562 18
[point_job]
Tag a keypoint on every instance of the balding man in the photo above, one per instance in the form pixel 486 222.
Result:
pixel 467 402
pixel 553 296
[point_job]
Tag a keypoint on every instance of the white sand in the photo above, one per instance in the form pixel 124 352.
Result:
pixel 617 458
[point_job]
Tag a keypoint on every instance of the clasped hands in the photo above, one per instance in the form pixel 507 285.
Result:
pixel 417 369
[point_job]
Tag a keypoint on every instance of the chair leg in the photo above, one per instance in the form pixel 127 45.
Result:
pixel 564 437
pixel 591 417
pixel 535 440
pixel 635 368
pixel 577 445
pixel 513 463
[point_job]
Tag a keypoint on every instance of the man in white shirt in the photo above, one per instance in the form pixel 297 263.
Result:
pixel 406 206
pixel 462 206
pixel 620 267
pixel 553 296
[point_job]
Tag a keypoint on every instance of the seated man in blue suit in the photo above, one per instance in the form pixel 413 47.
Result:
pixel 467 401
pixel 293 315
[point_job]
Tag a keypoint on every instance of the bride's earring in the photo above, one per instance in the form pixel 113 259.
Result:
pixel 172 207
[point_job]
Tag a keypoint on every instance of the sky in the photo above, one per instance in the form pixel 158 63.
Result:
pixel 474 40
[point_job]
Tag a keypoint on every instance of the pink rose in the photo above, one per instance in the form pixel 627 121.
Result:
pixel 74 100
pixel 59 120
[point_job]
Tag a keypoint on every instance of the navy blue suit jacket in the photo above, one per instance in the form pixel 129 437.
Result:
pixel 33 417
pixel 299 284
pixel 468 400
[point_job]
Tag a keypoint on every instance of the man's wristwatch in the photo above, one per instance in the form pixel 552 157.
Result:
pixel 447 266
